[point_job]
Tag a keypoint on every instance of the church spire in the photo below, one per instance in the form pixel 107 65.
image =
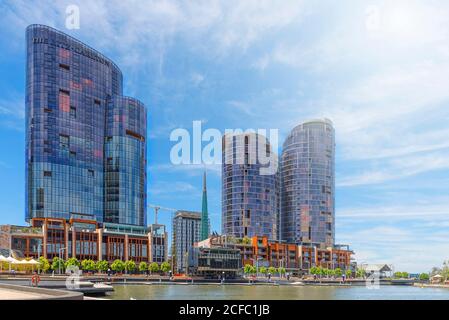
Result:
pixel 204 212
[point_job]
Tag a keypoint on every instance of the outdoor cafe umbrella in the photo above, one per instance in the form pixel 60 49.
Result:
pixel 2 259
pixel 11 261
pixel 31 262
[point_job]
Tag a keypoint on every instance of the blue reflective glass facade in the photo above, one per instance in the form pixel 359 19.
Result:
pixel 125 154
pixel 249 198
pixel 308 184
pixel 72 91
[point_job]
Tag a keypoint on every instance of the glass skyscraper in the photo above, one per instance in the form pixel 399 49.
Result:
pixel 308 184
pixel 85 142
pixel 249 197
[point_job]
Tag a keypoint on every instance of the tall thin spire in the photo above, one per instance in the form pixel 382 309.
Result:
pixel 204 212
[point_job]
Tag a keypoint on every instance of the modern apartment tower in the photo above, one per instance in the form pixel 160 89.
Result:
pixel 186 232
pixel 308 184
pixel 249 196
pixel 85 142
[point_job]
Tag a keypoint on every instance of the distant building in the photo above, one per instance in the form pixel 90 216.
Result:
pixel 307 187
pixel 215 262
pixel 249 195
pixel 186 231
pixel 383 270
pixel 260 251
pixel 158 238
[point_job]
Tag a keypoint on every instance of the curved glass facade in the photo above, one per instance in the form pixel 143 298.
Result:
pixel 308 184
pixel 249 198
pixel 70 88
pixel 125 150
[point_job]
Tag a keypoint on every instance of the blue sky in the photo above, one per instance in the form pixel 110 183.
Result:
pixel 378 69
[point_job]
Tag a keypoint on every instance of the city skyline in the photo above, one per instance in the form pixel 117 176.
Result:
pixel 392 164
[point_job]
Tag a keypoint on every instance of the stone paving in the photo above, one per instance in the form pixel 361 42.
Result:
pixel 10 294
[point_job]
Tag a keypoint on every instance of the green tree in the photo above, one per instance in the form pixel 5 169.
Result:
pixel 130 266
pixel 248 269
pixel 313 270
pixel 44 265
pixel 263 270
pixel 272 270
pixel 72 262
pixel 57 264
pixel 424 277
pixel 88 265
pixel 143 266
pixel 360 273
pixel 348 273
pixel 154 267
pixel 405 275
pixel 338 272
pixel 165 267
pixel 102 266
pixel 118 265
pixel 281 271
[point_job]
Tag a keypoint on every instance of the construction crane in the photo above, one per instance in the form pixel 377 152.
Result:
pixel 157 208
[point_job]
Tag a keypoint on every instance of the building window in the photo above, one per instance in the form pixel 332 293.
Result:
pixel 47 173
pixel 64 100
pixel 64 141
pixel 64 66
pixel 73 112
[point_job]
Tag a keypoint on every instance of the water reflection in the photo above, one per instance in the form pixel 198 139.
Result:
pixel 239 292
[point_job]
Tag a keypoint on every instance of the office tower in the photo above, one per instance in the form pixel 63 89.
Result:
pixel 85 142
pixel 249 201
pixel 308 184
pixel 204 213
pixel 186 231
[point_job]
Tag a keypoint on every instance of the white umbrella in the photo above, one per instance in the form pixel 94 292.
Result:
pixel 12 260
pixel 2 259
pixel 32 261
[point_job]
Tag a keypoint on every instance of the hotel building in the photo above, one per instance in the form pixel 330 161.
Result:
pixel 85 157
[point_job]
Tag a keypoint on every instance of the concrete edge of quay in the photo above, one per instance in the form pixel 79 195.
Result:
pixel 45 293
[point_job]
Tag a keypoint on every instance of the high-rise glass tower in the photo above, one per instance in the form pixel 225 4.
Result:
pixel 249 197
pixel 308 184
pixel 85 143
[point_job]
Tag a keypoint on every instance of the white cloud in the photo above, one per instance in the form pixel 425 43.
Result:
pixel 429 211
pixel 196 78
pixel 189 169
